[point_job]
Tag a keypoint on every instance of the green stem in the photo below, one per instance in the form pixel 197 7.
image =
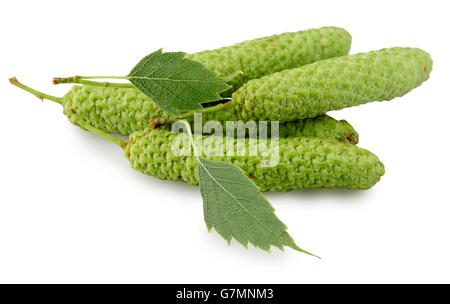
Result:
pixel 101 133
pixel 82 80
pixel 75 79
pixel 232 76
pixel 38 94
pixel 191 138
pixel 101 77
pixel 217 107
pixel 171 119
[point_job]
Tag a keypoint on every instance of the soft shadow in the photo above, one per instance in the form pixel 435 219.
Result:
pixel 217 245
pixel 166 185
pixel 314 196
pixel 114 155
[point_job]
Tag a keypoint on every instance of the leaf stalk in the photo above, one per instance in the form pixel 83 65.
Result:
pixel 158 121
pixel 82 80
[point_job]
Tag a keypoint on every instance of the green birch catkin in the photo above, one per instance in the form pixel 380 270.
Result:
pixel 124 111
pixel 330 84
pixel 322 126
pixel 303 162
pixel 251 59
pixel 258 57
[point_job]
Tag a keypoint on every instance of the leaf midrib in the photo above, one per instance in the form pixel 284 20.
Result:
pixel 239 204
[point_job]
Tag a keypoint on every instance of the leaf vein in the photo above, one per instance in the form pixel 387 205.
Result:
pixel 240 205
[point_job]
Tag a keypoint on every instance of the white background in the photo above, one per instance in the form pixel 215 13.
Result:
pixel 72 210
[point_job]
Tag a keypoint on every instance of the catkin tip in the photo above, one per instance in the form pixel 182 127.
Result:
pixel 352 139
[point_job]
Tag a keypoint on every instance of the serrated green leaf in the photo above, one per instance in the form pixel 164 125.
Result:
pixel 234 206
pixel 175 83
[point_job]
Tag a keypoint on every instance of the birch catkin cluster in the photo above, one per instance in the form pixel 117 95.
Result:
pixel 294 78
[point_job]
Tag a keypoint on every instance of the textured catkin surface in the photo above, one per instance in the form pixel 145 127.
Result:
pixel 263 56
pixel 124 111
pixel 303 162
pixel 322 126
pixel 332 84
pixel 115 110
